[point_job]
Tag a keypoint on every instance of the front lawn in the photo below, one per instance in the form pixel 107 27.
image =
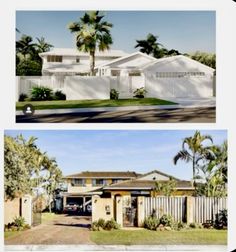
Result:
pixel 147 237
pixel 93 103
pixel 46 217
pixel 9 234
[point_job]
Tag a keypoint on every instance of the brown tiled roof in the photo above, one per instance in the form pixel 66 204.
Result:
pixel 107 174
pixel 147 184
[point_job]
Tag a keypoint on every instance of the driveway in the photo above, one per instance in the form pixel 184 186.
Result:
pixel 175 115
pixel 63 229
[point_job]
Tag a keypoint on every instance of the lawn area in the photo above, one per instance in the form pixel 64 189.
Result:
pixel 147 237
pixel 9 234
pixel 48 217
pixel 93 103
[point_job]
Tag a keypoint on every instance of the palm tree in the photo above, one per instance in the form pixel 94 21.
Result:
pixel 25 46
pixel 150 46
pixel 42 45
pixel 193 150
pixel 92 33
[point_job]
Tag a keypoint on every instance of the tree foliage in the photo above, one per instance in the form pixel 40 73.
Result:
pixel 152 47
pixel 208 59
pixel 209 164
pixel 28 61
pixel 26 167
pixel 92 33
pixel 166 188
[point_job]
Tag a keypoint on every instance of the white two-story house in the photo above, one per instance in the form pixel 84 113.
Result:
pixel 68 61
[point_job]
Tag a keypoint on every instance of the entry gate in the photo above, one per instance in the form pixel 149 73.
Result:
pixel 130 212
pixel 36 211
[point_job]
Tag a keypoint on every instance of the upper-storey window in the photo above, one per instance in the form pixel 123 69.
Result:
pixel 77 60
pixel 54 58
pixel 99 182
pixel 78 182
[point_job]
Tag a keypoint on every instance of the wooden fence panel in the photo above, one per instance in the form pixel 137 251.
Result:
pixel 204 208
pixel 174 206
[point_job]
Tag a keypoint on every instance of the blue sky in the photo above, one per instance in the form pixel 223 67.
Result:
pixel 116 150
pixel 186 31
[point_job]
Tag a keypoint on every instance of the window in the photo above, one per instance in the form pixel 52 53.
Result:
pixel 54 58
pixel 99 182
pixel 179 74
pixel 77 60
pixel 78 182
pixel 116 181
pixel 134 74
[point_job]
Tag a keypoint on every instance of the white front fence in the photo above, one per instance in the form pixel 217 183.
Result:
pixel 98 87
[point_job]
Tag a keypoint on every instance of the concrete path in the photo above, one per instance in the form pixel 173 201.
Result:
pixel 178 115
pixel 62 230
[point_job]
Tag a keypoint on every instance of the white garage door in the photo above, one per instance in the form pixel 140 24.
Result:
pixel 179 85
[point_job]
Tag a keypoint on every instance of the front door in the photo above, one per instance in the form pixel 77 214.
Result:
pixel 130 213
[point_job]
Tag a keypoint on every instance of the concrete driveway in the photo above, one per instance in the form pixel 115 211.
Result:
pixel 64 229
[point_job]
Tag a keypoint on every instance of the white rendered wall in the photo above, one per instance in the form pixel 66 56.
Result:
pixel 86 88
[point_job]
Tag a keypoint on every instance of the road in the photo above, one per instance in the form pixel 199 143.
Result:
pixel 178 115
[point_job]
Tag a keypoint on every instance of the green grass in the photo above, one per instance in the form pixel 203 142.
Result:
pixel 48 217
pixel 147 237
pixel 9 234
pixel 93 103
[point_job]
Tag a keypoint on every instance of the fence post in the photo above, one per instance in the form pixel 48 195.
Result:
pixel 119 210
pixel 140 211
pixel 27 209
pixel 189 209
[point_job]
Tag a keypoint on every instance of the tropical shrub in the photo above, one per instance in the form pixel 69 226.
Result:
pixel 106 225
pixel 22 97
pixel 58 95
pixel 41 94
pixel 151 223
pixel 94 226
pixel 111 224
pixel 140 92
pixel 19 221
pixel 28 68
pixel 114 94
pixel 166 220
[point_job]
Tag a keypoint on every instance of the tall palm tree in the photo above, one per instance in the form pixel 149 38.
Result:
pixel 150 46
pixel 25 46
pixel 42 45
pixel 92 33
pixel 193 150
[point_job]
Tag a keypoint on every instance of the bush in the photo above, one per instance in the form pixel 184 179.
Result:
pixel 111 224
pixel 58 95
pixel 19 222
pixel 101 223
pixel 22 97
pixel 151 223
pixel 94 226
pixel 166 220
pixel 140 92
pixel 114 94
pixel 178 225
pixel 28 68
pixel 41 94
pixel 221 219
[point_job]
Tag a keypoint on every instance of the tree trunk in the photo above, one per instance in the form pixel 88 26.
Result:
pixel 92 63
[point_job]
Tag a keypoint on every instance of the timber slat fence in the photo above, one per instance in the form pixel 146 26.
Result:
pixel 201 209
